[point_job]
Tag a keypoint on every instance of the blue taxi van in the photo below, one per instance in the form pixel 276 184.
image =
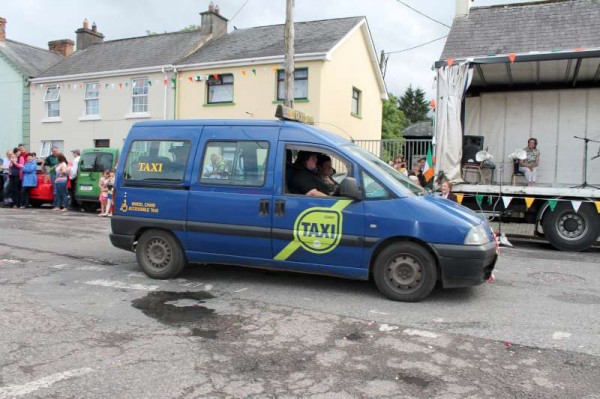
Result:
pixel 219 192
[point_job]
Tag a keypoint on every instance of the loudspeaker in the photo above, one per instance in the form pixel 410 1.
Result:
pixel 471 146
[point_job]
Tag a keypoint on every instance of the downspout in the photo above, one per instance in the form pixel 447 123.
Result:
pixel 175 94
pixel 165 94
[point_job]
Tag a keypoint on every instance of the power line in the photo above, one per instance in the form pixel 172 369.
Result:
pixel 420 13
pixel 238 11
pixel 417 46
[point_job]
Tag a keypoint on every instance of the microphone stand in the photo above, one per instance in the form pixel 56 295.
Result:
pixel 585 154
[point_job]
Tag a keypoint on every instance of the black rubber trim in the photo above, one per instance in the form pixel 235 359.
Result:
pixel 229 229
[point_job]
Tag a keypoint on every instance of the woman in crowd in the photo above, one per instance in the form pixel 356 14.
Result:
pixel 29 179
pixel 447 191
pixel 60 183
pixel 16 164
pixel 528 166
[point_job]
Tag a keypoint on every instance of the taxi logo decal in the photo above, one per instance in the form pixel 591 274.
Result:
pixel 317 230
pixel 150 167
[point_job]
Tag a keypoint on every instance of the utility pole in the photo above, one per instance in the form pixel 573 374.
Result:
pixel 289 54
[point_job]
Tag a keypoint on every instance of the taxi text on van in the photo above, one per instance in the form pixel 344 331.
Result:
pixel 172 210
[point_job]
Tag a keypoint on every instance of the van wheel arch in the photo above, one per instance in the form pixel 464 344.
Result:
pixel 395 240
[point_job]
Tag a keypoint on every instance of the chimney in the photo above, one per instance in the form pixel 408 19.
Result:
pixel 63 47
pixel 462 8
pixel 212 22
pixel 86 36
pixel 2 29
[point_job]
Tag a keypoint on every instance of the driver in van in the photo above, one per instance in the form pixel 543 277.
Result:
pixel 305 180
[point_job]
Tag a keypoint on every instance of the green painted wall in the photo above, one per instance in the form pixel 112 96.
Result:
pixel 11 107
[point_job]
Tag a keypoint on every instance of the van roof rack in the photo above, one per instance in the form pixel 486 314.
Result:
pixel 290 114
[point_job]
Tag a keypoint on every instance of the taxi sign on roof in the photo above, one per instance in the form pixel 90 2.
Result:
pixel 291 114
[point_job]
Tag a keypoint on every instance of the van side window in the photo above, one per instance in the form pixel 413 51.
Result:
pixel 237 163
pixel 372 189
pixel 157 160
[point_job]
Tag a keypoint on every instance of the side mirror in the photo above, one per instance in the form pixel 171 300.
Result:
pixel 349 188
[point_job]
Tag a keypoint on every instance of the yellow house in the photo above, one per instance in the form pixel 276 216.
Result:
pixel 240 75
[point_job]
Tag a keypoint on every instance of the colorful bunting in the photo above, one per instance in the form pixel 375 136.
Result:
pixel 244 73
pixel 529 201
pixel 479 199
pixel 149 82
pixel 432 104
pixel 552 204
pixel 450 61
pixel 120 85
pixel 459 198
pixel 511 57
pixel 215 76
pixel 598 206
pixel 489 199
pixel 576 205
pixel 254 71
pixel 165 81
pixel 190 79
pixel 506 201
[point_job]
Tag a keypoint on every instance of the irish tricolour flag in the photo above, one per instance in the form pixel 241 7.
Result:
pixel 428 170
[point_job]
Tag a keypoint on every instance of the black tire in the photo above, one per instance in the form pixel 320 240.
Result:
pixel 568 230
pixel 90 206
pixel 405 272
pixel 159 254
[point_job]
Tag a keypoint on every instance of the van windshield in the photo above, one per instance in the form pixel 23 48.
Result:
pixel 394 178
pixel 96 162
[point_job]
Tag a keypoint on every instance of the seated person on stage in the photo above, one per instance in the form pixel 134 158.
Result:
pixel 305 180
pixel 528 166
pixel 215 169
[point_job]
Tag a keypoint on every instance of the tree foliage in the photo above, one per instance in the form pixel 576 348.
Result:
pixel 393 121
pixel 414 105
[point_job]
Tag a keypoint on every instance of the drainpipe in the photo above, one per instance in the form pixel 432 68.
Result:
pixel 165 95
pixel 175 96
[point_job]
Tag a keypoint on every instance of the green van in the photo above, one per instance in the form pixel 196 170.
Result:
pixel 92 163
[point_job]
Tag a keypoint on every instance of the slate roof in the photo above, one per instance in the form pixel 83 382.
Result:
pixel 521 28
pixel 137 52
pixel 31 61
pixel 265 41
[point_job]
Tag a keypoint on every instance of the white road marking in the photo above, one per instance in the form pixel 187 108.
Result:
pixel 387 328
pixel 241 290
pixel 98 268
pixel 420 333
pixel 20 390
pixel 561 335
pixel 61 266
pixel 9 261
pixel 120 284
pixel 376 312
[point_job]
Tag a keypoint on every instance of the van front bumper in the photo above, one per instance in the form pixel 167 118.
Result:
pixel 123 241
pixel 465 265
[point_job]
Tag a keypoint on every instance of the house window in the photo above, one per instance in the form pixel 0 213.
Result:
pixel 220 89
pixel 139 89
pixel 47 147
pixel 300 84
pixel 101 143
pixel 91 97
pixel 52 100
pixel 356 99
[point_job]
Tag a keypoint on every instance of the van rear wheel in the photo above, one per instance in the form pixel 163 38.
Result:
pixel 159 254
pixel 405 272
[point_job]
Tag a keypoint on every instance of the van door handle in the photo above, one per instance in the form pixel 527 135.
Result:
pixel 263 209
pixel 279 207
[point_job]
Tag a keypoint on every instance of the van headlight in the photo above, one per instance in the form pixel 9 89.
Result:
pixel 477 236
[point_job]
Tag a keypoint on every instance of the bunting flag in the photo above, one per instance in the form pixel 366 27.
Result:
pixel 576 205
pixel 254 71
pixel 165 81
pixel 552 204
pixel 275 69
pixel 190 79
pixel 459 198
pixel 198 78
pixel 598 206
pixel 428 169
pixel 215 76
pixel 479 199
pixel 512 57
pixel 506 201
pixel 149 82
pixel 450 61
pixel 529 201
pixel 244 73
pixel 120 85
pixel 489 199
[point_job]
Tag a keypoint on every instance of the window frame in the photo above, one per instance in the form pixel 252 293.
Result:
pixel 212 82
pixel 231 181
pixel 60 144
pixel 135 96
pixel 356 100
pixel 55 100
pixel 280 76
pixel 87 99
pixel 166 183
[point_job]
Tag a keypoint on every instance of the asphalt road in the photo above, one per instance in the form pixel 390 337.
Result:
pixel 78 319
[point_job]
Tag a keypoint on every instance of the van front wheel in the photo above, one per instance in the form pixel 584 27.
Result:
pixel 405 272
pixel 159 254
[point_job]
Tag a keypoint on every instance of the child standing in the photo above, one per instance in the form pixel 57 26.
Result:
pixel 29 180
pixel 110 185
pixel 103 184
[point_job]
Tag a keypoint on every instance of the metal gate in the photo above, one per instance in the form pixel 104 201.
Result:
pixel 411 149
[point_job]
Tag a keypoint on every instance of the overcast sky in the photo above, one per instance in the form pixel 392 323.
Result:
pixel 393 26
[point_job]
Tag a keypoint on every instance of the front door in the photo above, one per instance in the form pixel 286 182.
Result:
pixel 317 234
pixel 230 200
